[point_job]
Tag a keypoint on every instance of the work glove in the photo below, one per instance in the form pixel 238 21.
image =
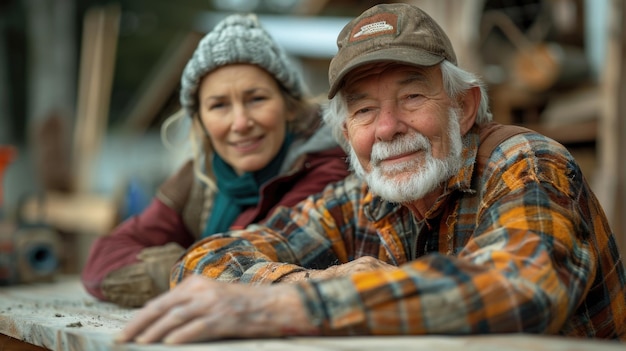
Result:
pixel 159 261
pixel 136 284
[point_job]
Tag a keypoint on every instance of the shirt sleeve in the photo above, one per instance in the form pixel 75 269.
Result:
pixel 526 268
pixel 310 235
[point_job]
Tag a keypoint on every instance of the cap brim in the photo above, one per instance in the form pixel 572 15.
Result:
pixel 400 55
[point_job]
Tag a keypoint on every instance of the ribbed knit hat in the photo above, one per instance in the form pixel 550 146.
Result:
pixel 237 39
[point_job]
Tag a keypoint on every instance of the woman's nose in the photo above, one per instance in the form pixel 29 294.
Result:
pixel 241 119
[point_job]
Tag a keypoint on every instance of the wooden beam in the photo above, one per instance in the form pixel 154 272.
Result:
pixel 82 212
pixel 310 7
pixel 9 343
pixel 97 61
pixel 572 133
pixel 460 19
pixel 161 83
pixel 610 185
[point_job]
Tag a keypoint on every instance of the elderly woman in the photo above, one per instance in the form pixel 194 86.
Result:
pixel 260 144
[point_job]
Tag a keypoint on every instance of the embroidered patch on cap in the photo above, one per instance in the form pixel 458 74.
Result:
pixel 385 23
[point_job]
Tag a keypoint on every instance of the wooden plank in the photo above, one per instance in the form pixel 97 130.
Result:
pixel 61 316
pixel 577 105
pixel 9 343
pixel 577 132
pixel 619 144
pixel 609 184
pixel 82 213
pixel 162 82
pixel 460 19
pixel 310 7
pixel 96 77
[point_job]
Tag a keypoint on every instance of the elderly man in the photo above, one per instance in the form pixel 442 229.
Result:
pixel 452 225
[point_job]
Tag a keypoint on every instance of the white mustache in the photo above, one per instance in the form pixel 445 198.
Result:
pixel 383 150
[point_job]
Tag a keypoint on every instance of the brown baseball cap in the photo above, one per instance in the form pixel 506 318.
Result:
pixel 389 32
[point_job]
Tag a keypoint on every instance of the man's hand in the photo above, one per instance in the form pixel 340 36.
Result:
pixel 200 309
pixel 361 264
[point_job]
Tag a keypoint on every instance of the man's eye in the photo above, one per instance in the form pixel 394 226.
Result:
pixel 414 96
pixel 413 100
pixel 362 113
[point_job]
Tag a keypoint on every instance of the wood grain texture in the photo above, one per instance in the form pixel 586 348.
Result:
pixel 61 316
pixel 11 344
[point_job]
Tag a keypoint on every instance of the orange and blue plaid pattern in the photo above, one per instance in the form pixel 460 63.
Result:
pixel 522 247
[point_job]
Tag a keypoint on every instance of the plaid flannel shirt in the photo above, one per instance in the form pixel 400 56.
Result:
pixel 522 247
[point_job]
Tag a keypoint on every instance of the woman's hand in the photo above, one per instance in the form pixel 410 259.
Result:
pixel 201 309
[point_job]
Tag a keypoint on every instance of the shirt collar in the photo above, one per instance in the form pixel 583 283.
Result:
pixel 462 181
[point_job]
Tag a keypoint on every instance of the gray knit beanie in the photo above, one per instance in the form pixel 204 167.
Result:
pixel 237 39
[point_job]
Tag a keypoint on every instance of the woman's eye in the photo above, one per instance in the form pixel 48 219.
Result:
pixel 258 98
pixel 216 105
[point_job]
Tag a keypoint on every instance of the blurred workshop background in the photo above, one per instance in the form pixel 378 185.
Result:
pixel 85 86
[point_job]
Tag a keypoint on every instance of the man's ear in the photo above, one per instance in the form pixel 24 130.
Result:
pixel 344 130
pixel 469 103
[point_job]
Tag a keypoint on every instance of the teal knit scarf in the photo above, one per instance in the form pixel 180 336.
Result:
pixel 235 192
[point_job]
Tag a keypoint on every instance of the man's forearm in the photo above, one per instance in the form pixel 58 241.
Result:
pixel 299 276
pixel 361 264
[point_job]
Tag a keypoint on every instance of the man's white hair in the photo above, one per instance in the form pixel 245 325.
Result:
pixel 456 82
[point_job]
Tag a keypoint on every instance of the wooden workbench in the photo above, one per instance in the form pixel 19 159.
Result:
pixel 61 316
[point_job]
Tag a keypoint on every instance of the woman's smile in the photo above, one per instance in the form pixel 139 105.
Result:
pixel 248 145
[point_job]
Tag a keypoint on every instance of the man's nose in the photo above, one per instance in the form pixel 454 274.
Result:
pixel 389 122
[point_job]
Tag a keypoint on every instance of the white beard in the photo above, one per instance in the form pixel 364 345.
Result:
pixel 414 179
